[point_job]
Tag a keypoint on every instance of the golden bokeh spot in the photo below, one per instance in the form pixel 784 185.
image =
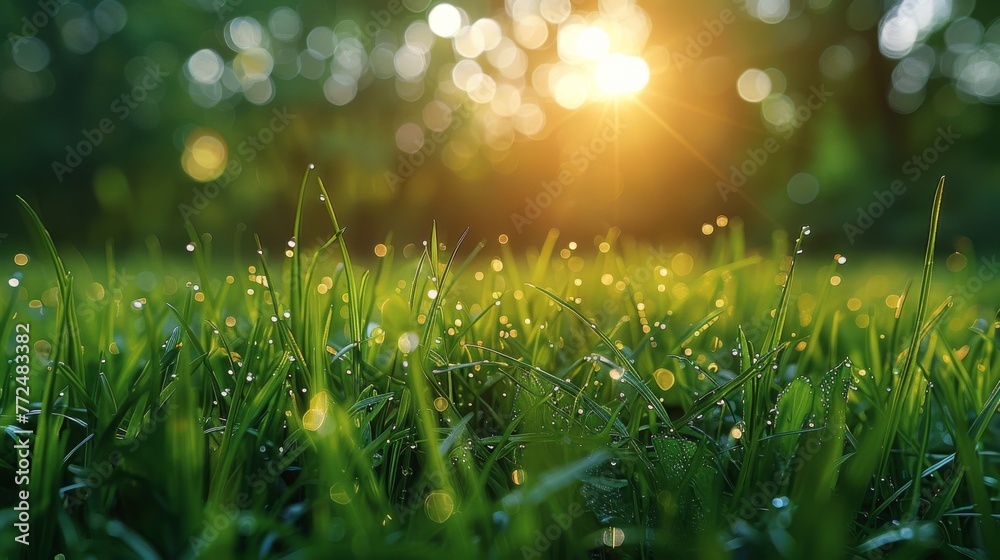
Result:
pixel 50 297
pixel 95 292
pixel 664 378
pixel 313 419
pixel 205 155
pixel 344 491
pixel 439 506
pixel 319 405
pixel 956 262
pixel 320 402
pixel 407 342
pixel 682 264
pixel 20 259
pixel 440 404
pixel 381 250
pixel 517 476
pixel 680 290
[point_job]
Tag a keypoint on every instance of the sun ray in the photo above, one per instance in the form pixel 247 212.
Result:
pixel 708 114
pixel 701 157
pixel 673 132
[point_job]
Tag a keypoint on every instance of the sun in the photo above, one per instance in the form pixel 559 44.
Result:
pixel 620 74
pixel 605 66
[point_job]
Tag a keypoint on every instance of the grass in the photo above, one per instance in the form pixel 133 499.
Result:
pixel 614 401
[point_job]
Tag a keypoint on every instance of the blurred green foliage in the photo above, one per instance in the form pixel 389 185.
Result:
pixel 71 81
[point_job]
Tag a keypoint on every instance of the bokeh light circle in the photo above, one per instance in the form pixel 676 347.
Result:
pixel 803 188
pixel 445 20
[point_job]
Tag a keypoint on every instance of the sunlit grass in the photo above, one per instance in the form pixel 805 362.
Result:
pixel 588 397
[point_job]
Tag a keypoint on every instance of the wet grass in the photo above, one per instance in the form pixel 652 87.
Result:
pixel 603 400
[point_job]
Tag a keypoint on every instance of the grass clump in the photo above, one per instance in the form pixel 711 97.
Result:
pixel 619 402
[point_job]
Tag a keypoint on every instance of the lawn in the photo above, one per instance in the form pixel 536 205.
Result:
pixel 586 398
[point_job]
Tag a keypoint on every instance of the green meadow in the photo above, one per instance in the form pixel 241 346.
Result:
pixel 601 398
